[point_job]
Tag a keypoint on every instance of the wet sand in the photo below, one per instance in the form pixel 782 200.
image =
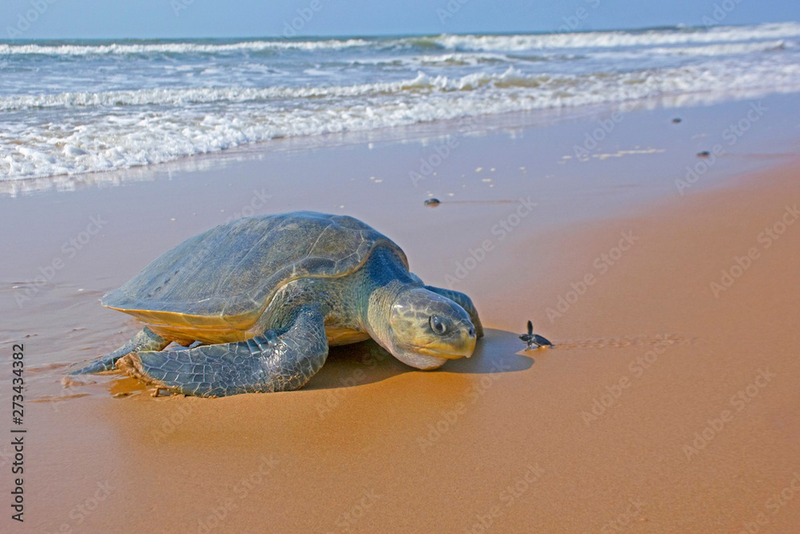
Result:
pixel 668 404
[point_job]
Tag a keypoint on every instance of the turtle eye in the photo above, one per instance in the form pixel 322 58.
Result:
pixel 437 325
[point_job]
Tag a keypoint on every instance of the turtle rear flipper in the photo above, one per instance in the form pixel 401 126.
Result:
pixel 146 339
pixel 270 362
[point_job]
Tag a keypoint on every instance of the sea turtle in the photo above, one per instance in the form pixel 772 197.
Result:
pixel 534 339
pixel 260 299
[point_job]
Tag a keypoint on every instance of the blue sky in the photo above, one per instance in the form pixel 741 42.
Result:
pixel 33 19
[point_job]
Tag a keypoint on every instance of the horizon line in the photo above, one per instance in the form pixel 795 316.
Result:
pixel 405 35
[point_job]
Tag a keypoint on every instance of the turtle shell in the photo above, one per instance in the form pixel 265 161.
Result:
pixel 224 278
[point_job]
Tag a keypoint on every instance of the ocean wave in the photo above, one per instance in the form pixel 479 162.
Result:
pixel 612 39
pixel 177 48
pixel 726 49
pixel 453 42
pixel 718 74
pixel 220 95
pixel 113 111
pixel 97 139
pixel 458 59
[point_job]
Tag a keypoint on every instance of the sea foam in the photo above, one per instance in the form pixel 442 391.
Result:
pixel 78 107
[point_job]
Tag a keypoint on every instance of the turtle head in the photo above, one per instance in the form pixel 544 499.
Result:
pixel 426 329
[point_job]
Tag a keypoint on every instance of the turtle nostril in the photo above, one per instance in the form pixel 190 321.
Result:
pixel 471 332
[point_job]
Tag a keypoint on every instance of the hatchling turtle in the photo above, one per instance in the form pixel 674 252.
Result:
pixel 258 301
pixel 536 340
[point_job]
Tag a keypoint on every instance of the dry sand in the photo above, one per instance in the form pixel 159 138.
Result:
pixel 663 407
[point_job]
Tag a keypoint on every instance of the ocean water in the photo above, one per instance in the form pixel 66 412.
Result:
pixel 71 107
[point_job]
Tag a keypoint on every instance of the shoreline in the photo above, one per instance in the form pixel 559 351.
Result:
pixel 605 115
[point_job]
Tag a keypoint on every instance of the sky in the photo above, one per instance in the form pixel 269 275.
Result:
pixel 73 19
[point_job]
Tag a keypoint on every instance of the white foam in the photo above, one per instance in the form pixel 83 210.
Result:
pixel 472 43
pixel 177 48
pixel 726 49
pixel 437 60
pixel 99 139
pixel 499 43
pixel 206 95
pixel 121 112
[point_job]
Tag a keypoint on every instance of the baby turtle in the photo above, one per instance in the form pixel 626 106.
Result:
pixel 534 339
pixel 433 202
pixel 265 296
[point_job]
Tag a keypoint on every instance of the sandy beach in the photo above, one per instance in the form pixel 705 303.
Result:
pixel 665 280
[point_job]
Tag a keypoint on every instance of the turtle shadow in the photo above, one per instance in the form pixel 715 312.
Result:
pixel 368 363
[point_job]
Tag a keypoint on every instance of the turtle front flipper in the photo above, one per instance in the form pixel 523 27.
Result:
pixel 270 362
pixel 146 339
pixel 465 302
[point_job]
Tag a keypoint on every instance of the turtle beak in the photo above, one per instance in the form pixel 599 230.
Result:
pixel 470 340
pixel 454 347
pixel 433 355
